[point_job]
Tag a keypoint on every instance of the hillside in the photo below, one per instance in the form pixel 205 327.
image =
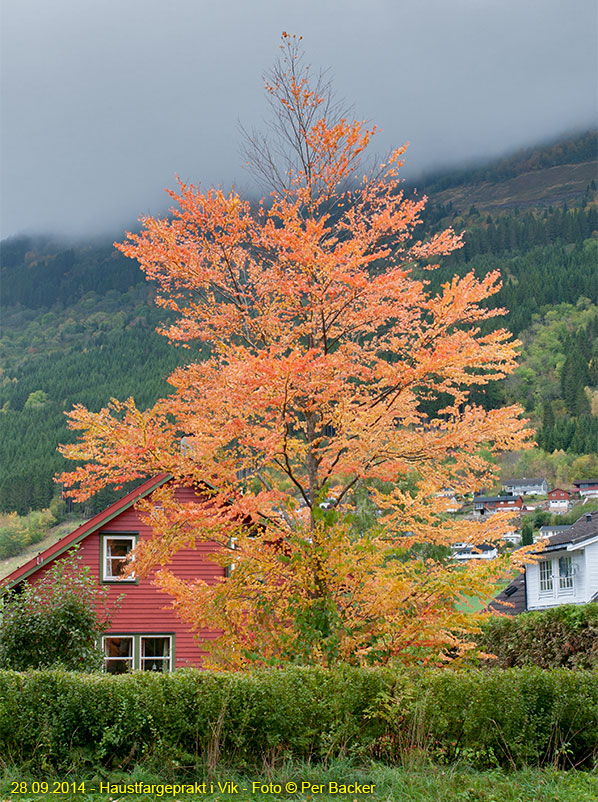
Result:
pixel 52 536
pixel 551 186
pixel 79 320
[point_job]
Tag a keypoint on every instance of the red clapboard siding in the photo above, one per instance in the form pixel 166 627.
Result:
pixel 143 607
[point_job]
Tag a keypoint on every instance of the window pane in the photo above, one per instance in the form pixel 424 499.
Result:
pixel 117 550
pixel 115 566
pixel 118 647
pixel 546 576
pixel 155 647
pixel 119 655
pixel 565 572
pixel 155 654
pixel 118 666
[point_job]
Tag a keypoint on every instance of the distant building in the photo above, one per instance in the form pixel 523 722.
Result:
pixel 566 572
pixel 526 487
pixel 464 552
pixel 559 500
pixel 486 505
pixel 548 530
pixel 449 494
pixel 513 537
pixel 587 488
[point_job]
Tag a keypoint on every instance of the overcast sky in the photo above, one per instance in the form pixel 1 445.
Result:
pixel 105 101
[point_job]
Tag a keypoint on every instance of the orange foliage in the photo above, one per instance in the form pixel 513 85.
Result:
pixel 325 342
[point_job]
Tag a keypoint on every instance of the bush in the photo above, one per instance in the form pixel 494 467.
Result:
pixel 18 532
pixel 61 720
pixel 565 636
pixel 55 621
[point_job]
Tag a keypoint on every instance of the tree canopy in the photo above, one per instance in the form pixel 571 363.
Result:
pixel 332 368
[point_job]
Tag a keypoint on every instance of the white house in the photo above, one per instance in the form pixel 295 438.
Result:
pixel 466 551
pixel 526 487
pixel 566 571
pixel 588 488
pixel 549 530
pixel 513 537
pixel 559 500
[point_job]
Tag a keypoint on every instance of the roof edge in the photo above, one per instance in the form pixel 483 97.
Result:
pixel 87 528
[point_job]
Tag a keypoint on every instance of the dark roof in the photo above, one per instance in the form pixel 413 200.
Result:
pixel 495 498
pixel 555 528
pixel 524 481
pixel 511 600
pixel 477 548
pixel 584 528
pixel 586 482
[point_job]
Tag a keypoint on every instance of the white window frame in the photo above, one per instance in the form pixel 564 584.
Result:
pixel 136 660
pixel 114 659
pixel 106 576
pixel 566 579
pixel 547 581
pixel 142 658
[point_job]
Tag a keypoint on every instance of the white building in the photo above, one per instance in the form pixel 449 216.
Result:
pixel 566 571
pixel 513 537
pixel 588 488
pixel 526 487
pixel 465 552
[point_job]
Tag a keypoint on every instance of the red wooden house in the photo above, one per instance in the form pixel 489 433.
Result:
pixel 485 505
pixel 145 633
pixel 559 500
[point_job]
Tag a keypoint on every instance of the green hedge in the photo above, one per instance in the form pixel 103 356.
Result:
pixel 564 636
pixel 59 720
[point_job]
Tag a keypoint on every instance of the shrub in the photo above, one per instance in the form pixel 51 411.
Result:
pixel 510 718
pixel 18 532
pixel 564 636
pixel 55 621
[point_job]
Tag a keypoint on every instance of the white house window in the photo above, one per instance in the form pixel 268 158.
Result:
pixel 546 576
pixel 565 573
pixel 119 654
pixel 155 653
pixel 116 550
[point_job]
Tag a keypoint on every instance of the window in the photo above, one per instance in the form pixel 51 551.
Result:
pixel 116 549
pixel 565 573
pixel 155 653
pixel 118 654
pixel 124 653
pixel 546 576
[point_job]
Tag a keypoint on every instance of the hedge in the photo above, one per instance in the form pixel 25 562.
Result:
pixel 59 720
pixel 564 636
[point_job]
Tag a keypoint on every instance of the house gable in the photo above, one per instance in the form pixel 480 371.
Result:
pixel 145 630
pixel 567 568
pixel 77 535
pixel 566 571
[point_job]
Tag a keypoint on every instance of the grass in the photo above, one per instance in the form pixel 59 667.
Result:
pixel 419 783
pixel 53 535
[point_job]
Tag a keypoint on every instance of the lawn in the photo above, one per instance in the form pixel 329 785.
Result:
pixel 338 781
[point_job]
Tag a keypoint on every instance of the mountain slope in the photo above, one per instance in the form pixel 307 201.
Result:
pixel 79 321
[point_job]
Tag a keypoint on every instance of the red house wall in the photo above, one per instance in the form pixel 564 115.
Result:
pixel 144 608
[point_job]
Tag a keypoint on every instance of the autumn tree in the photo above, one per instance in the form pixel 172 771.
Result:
pixel 327 354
